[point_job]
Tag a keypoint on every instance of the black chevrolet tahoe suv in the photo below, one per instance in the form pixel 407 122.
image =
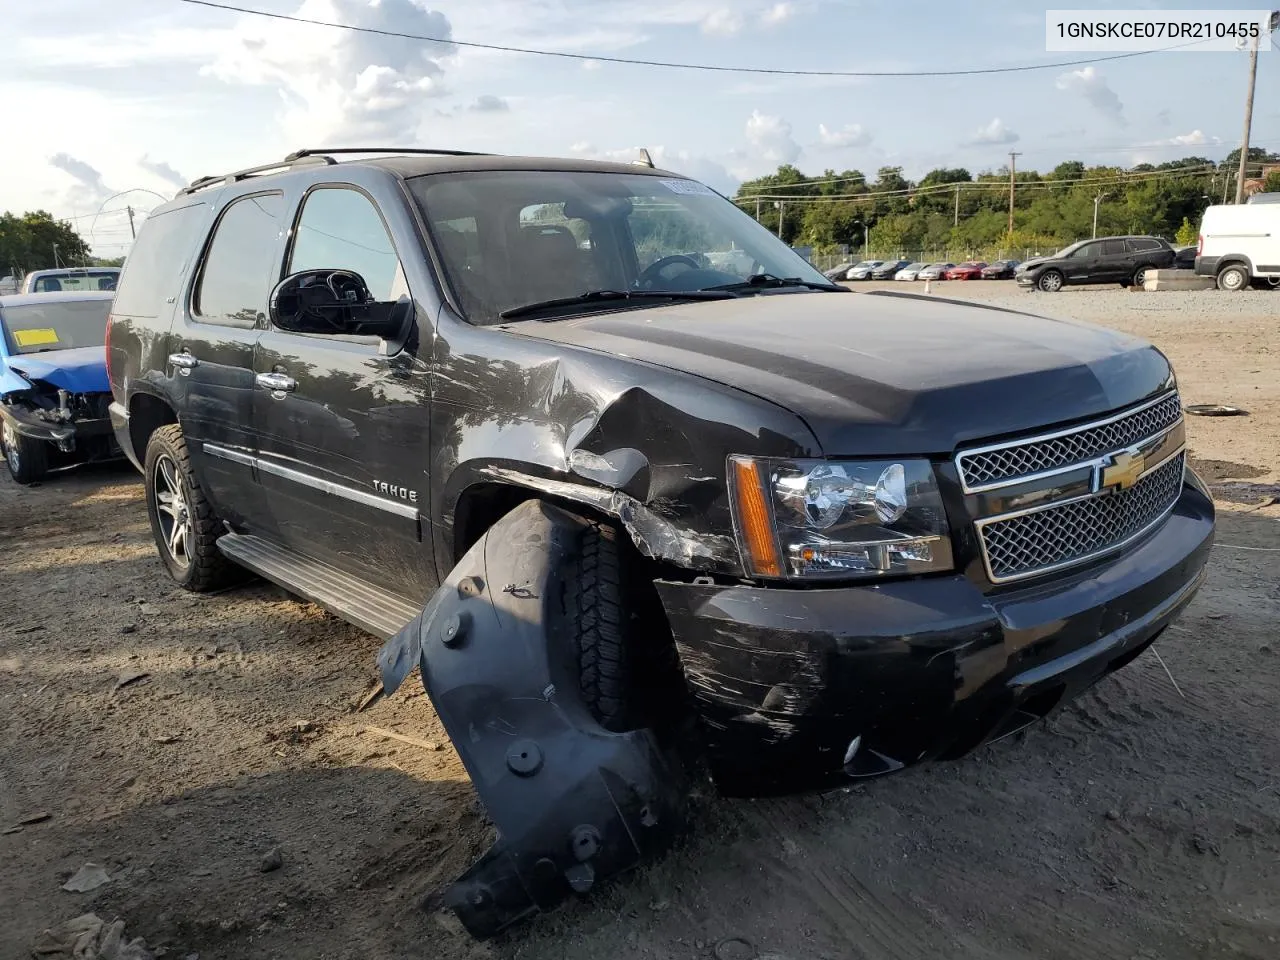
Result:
pixel 622 473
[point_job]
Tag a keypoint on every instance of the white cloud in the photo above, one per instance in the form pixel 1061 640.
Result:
pixel 488 103
pixel 338 85
pixel 994 132
pixel 583 148
pixel 1090 84
pixel 770 139
pixel 776 14
pixel 591 64
pixel 850 135
pixel 697 166
pixel 1193 139
pixel 722 23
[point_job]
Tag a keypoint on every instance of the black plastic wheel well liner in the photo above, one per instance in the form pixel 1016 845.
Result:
pixel 573 803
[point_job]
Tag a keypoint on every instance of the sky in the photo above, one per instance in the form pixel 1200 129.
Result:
pixel 156 93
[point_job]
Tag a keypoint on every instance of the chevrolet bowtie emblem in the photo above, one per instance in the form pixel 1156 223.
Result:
pixel 1123 471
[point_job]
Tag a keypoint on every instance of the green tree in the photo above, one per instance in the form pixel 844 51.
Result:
pixel 28 242
pixel 1272 183
pixel 1187 233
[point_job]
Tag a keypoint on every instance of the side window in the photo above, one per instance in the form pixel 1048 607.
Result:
pixel 1139 246
pixel 1113 248
pixel 237 275
pixel 340 229
pixel 1087 251
pixel 154 268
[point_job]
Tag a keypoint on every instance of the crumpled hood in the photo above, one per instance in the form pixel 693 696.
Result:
pixel 78 370
pixel 885 374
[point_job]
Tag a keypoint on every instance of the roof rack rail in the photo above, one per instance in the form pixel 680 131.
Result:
pixel 307 158
pixel 299 154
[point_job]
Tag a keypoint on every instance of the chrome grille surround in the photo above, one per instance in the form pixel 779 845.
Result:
pixel 1070 496
pixel 996 465
pixel 1065 533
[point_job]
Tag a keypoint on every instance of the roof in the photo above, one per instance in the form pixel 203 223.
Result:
pixel 61 296
pixel 64 271
pixel 417 163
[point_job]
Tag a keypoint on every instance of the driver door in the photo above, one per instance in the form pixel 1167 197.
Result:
pixel 344 419
pixel 1082 264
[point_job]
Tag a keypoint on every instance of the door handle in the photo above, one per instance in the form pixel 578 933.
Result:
pixel 276 382
pixel 183 362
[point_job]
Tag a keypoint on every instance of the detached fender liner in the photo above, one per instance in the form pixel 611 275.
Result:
pixel 573 803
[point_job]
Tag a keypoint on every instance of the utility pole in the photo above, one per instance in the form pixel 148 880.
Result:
pixel 132 232
pixel 1272 23
pixel 1096 200
pixel 757 209
pixel 955 221
pixel 1013 159
pixel 782 211
pixel 55 256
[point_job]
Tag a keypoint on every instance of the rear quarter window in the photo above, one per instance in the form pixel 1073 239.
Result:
pixel 153 270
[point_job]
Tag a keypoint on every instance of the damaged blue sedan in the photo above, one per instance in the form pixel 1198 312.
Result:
pixel 54 391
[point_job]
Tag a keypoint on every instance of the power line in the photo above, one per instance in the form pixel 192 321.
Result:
pixel 681 66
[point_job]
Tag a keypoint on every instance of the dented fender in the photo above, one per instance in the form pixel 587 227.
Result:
pixel 574 804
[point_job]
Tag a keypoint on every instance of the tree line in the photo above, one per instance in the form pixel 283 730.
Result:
pixel 950 209
pixel 28 241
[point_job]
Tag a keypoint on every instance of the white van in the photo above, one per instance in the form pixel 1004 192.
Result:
pixel 1239 244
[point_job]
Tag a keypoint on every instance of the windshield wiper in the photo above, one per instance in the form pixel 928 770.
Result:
pixel 761 281
pixel 604 296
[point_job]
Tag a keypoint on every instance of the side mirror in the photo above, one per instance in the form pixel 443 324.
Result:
pixel 333 302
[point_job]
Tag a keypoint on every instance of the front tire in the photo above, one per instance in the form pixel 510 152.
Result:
pixel 1050 281
pixel 1233 278
pixel 182 520
pixel 629 674
pixel 27 459
pixel 1140 276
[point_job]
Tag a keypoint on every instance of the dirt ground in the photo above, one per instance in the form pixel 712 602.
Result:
pixel 177 740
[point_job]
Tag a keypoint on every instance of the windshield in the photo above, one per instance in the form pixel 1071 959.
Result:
pixel 76 282
pixel 36 327
pixel 512 238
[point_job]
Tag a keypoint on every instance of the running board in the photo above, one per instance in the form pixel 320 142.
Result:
pixel 358 602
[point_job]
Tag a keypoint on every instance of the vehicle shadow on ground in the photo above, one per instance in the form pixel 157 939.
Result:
pixel 360 848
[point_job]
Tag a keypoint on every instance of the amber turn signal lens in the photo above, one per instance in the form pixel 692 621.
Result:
pixel 755 523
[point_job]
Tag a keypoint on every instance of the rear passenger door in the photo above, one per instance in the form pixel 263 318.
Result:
pixel 211 354
pixel 344 449
pixel 1116 264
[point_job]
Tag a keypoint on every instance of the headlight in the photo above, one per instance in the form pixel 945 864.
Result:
pixel 814 519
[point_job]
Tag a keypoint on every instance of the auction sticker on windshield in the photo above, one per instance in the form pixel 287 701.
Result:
pixel 689 187
pixel 35 338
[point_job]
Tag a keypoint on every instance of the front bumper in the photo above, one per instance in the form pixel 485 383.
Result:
pixel 814 689
pixel 69 437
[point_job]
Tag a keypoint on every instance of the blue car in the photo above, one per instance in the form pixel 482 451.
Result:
pixel 54 391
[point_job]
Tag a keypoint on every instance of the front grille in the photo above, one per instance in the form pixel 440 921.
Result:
pixel 1022 546
pixel 1023 458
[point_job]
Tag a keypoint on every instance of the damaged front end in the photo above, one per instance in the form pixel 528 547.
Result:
pixel 77 424
pixel 574 804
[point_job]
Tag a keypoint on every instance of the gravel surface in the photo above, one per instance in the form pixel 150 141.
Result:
pixel 206 752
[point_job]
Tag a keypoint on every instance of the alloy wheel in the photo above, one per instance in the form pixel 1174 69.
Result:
pixel 11 448
pixel 173 511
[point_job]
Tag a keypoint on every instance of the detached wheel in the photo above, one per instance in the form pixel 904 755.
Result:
pixel 182 521
pixel 1050 281
pixel 27 459
pixel 1233 278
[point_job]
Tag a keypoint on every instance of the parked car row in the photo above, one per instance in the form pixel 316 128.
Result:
pixel 919 270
